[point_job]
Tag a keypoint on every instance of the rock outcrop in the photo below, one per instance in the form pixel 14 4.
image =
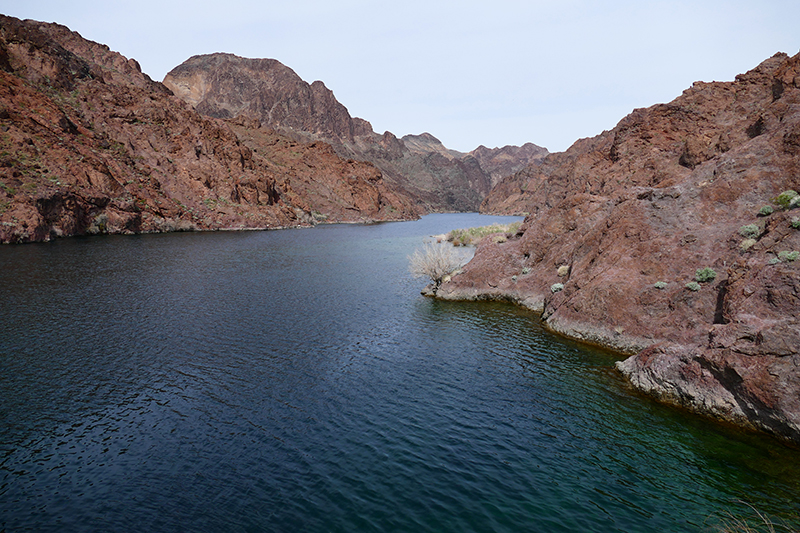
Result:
pixel 90 144
pixel 500 163
pixel 439 179
pixel 622 224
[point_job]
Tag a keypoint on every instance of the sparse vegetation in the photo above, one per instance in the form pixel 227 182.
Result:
pixel 660 285
pixel 765 211
pixel 747 244
pixel 705 274
pixel 435 262
pixel 785 198
pixel 470 236
pixel 563 270
pixel 787 256
pixel 693 286
pixel 795 223
pixel 758 524
pixel 751 231
pixel 556 287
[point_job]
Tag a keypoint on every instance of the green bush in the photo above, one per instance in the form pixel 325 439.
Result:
pixel 555 287
pixel 785 198
pixel 693 286
pixel 751 231
pixel 766 211
pixel 795 223
pixel 788 256
pixel 660 285
pixel 705 274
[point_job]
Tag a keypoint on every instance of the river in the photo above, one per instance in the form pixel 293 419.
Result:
pixel 296 380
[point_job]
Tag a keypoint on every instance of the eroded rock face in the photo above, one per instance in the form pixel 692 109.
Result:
pixel 89 144
pixel 439 179
pixel 662 195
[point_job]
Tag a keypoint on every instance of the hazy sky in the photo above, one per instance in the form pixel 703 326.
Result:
pixel 470 73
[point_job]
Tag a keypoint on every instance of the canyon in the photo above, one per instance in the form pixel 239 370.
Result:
pixel 672 239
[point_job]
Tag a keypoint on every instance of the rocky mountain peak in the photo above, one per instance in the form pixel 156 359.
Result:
pixel 226 86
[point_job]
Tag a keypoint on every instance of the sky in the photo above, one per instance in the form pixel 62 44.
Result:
pixel 470 73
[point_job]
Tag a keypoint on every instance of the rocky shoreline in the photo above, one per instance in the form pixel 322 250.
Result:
pixel 672 239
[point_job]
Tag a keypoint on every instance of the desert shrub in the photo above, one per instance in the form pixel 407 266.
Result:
pixel 660 285
pixel 758 523
pixel 435 261
pixel 795 223
pixel 773 261
pixel 751 231
pixel 785 198
pixel 514 277
pixel 563 270
pixel 470 236
pixel 555 287
pixel 747 244
pixel 766 211
pixel 705 274
pixel 526 270
pixel 693 286
pixel 788 256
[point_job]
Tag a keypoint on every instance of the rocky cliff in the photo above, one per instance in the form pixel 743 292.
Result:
pixel 89 144
pixel 439 179
pixel 672 238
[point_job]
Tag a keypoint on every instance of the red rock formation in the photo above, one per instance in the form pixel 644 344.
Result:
pixel 224 85
pixel 662 195
pixel 90 144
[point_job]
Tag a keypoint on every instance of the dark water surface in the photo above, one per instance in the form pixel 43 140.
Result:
pixel 296 381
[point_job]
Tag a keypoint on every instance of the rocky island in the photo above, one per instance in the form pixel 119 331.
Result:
pixel 673 238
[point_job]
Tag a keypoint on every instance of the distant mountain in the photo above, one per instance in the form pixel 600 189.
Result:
pixel 439 179
pixel 90 144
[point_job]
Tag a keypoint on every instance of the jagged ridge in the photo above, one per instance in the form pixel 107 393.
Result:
pixel 660 196
pixel 439 179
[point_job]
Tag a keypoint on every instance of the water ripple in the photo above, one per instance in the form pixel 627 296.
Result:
pixel 296 381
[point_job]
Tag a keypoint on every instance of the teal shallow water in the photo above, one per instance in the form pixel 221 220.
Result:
pixel 296 380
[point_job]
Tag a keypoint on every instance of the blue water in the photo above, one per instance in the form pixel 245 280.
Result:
pixel 296 380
